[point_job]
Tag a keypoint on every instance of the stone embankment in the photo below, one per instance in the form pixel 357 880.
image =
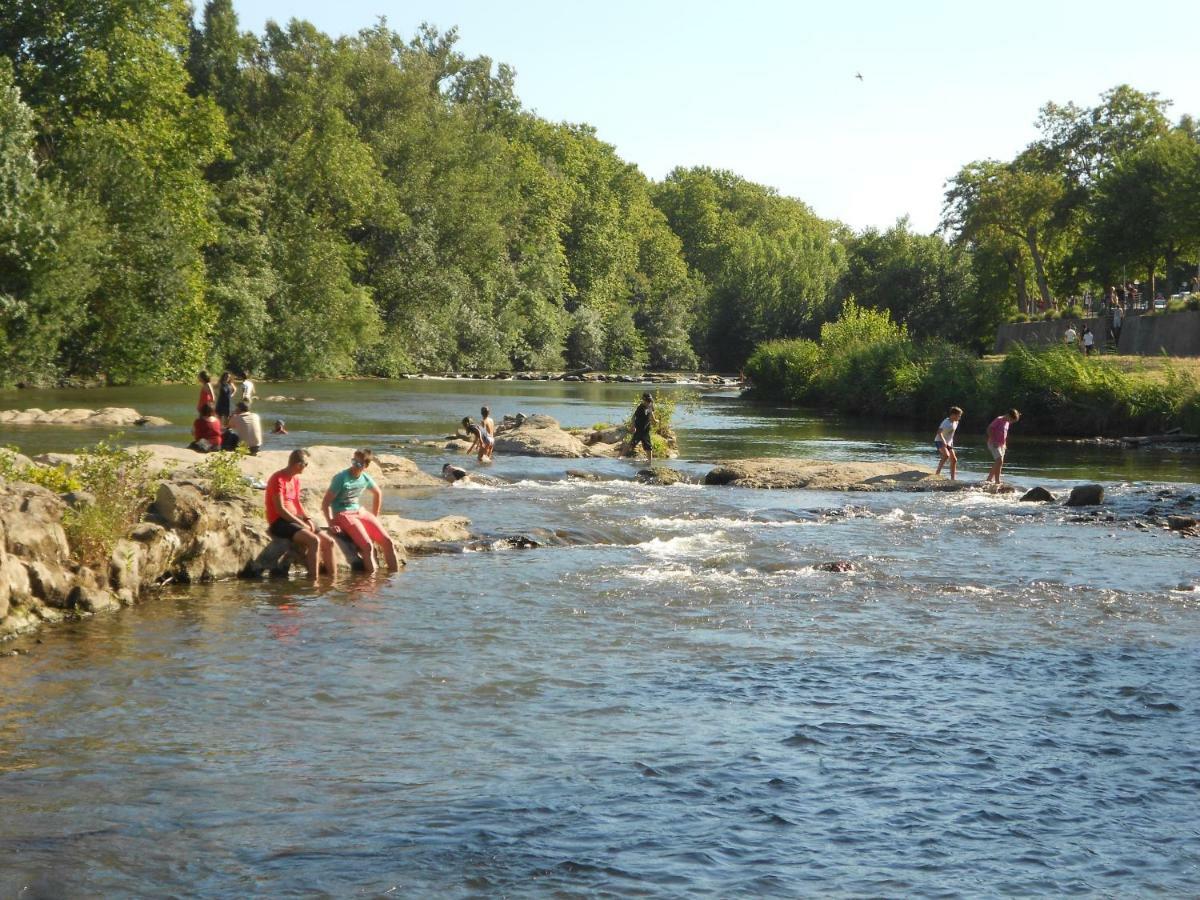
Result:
pixel 109 417
pixel 186 535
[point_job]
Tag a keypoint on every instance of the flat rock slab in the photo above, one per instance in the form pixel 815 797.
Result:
pixel 821 475
pixel 109 417
pixel 540 436
pixel 390 470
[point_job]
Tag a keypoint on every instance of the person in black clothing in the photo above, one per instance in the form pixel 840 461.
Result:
pixel 225 398
pixel 643 424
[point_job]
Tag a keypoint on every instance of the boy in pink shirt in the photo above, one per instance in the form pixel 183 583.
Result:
pixel 997 442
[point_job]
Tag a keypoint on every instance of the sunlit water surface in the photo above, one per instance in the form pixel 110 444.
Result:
pixel 668 697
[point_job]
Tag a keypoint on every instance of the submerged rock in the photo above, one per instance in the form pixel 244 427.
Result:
pixel 1086 495
pixel 1037 495
pixel 1182 523
pixel 837 565
pixel 663 476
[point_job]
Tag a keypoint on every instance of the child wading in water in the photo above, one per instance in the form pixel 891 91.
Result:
pixel 944 441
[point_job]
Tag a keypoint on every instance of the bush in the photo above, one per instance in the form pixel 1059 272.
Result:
pixel 224 475
pixel 785 369
pixel 1063 391
pixel 56 478
pixel 1073 311
pixel 123 487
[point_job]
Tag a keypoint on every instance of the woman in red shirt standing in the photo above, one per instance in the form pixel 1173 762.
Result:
pixel 206 393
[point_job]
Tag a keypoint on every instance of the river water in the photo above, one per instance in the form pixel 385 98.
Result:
pixel 669 697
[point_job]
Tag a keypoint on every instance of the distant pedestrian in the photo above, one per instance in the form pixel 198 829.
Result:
pixel 279 427
pixel 1118 317
pixel 1070 338
pixel 247 389
pixel 206 391
pixel 225 398
pixel 643 424
pixel 944 442
pixel 1089 340
pixel 997 442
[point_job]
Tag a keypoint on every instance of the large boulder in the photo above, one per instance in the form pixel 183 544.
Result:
pixel 1086 495
pixel 109 417
pixel 414 534
pixel 34 529
pixel 540 436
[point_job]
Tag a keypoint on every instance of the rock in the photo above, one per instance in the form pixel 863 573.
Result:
pixel 1181 523
pixel 1037 495
pixel 774 473
pixel 109 417
pixel 837 565
pixel 180 506
pixel 79 499
pixel 580 475
pixel 663 476
pixel 1086 495
pixel 49 584
pixel 540 436
pixel 414 534
pixel 33 516
pixel 92 600
pixel 152 422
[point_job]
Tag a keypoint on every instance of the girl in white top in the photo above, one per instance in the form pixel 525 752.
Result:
pixel 944 442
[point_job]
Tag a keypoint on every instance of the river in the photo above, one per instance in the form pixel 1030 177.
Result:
pixel 669 697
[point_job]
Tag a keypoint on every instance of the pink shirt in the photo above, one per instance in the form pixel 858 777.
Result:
pixel 997 433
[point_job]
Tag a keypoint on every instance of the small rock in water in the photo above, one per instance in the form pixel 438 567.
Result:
pixel 837 565
pixel 1037 495
pixel 1086 495
pixel 661 476
pixel 1181 523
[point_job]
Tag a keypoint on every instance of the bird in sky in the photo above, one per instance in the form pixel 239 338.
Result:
pixel 858 75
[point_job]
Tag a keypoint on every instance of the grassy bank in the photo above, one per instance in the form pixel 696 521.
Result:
pixel 865 364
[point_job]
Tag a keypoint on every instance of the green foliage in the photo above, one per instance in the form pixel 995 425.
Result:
pixel 123 486
pixel 56 478
pixel 785 369
pixel 224 475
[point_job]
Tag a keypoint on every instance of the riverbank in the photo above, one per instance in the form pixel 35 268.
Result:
pixel 867 366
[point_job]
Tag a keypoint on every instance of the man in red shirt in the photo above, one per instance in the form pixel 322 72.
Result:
pixel 286 517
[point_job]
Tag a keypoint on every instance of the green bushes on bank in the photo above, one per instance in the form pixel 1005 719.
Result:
pixel 866 365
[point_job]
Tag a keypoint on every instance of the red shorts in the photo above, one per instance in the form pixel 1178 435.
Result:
pixel 361 527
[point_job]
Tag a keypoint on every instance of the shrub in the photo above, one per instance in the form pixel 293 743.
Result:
pixel 1074 311
pixel 123 487
pixel 1063 391
pixel 785 369
pixel 224 475
pixel 56 478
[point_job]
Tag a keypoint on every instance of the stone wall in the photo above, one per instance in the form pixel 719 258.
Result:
pixel 1176 334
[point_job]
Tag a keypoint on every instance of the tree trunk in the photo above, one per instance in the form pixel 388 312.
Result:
pixel 1024 301
pixel 1039 268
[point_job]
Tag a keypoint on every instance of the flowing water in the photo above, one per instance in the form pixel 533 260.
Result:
pixel 668 697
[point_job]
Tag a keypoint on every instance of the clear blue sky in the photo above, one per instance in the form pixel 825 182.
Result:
pixel 768 89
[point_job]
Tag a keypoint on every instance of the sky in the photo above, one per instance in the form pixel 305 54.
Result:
pixel 768 88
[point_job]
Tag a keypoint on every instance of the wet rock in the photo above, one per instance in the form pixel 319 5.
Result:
pixel 580 475
pixel 773 473
pixel 92 600
pixel 837 565
pixel 1037 495
pixel 540 436
pixel 1181 523
pixel 1086 495
pixel 662 476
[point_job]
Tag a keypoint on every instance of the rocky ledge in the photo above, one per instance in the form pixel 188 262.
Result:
pixel 822 475
pixel 109 417
pixel 186 535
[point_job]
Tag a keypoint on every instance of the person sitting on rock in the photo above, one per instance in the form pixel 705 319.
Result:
pixel 287 519
pixel 343 513
pixel 247 426
pixel 643 423
pixel 206 431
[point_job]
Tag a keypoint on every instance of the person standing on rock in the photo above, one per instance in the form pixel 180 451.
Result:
pixel 206 392
pixel 997 442
pixel 343 513
pixel 479 439
pixel 287 519
pixel 944 442
pixel 247 389
pixel 643 424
